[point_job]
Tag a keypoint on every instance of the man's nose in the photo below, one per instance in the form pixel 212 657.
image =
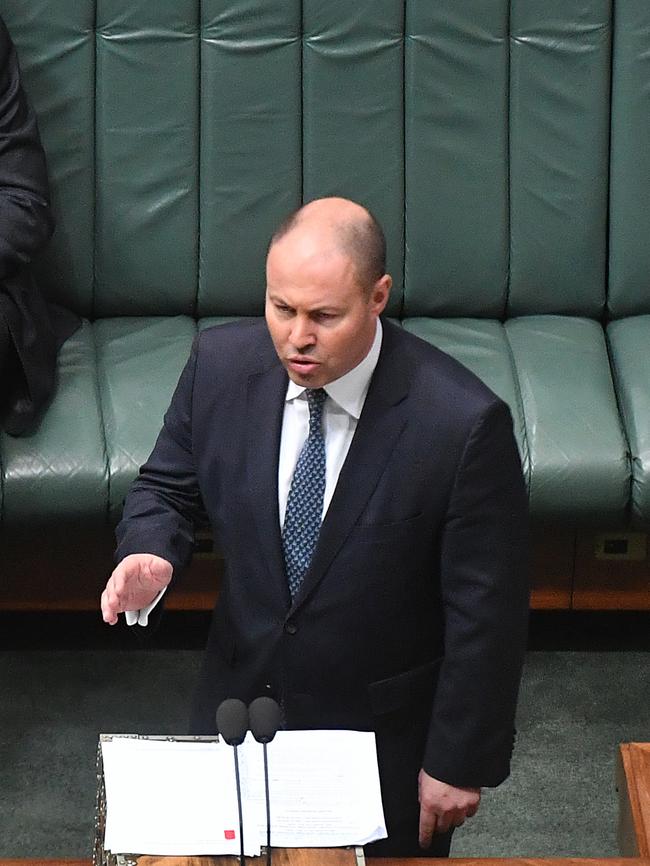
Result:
pixel 302 333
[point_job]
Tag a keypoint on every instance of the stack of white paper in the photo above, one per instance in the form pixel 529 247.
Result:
pixel 167 798
pixel 179 798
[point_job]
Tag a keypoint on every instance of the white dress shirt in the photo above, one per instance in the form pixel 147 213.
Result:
pixel 341 412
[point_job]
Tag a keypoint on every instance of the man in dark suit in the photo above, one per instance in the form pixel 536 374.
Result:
pixel 405 612
pixel 31 331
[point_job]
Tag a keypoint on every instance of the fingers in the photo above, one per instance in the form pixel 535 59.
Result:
pixel 428 826
pixel 450 820
pixel 109 606
pixel 111 601
pixel 109 611
pixel 428 814
pixel 116 596
pixel 443 806
pixel 431 823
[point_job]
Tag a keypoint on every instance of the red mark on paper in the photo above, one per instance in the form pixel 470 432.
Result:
pixel 229 834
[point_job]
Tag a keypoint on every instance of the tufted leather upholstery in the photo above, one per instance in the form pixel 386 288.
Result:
pixel 179 133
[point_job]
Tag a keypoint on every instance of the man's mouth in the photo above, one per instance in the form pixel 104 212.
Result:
pixel 303 365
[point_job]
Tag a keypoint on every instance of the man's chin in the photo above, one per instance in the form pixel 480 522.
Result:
pixel 306 381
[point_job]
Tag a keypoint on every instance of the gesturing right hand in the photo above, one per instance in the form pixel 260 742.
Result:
pixel 134 584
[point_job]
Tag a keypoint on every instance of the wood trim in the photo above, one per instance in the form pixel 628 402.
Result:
pixel 280 857
pixel 633 784
pixel 608 584
pixel 67 571
pixel 473 861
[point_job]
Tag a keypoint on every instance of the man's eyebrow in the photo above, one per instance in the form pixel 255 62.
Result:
pixel 278 298
pixel 275 298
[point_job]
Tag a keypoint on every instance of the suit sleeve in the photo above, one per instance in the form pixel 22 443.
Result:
pixel 485 592
pixel 164 504
pixel 25 218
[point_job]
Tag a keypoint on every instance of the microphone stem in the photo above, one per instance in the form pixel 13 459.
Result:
pixel 239 807
pixel 268 807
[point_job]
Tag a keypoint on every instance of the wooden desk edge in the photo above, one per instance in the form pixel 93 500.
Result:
pixel 454 861
pixel 634 812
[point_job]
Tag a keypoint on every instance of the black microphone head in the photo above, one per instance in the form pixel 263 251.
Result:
pixel 265 717
pixel 232 721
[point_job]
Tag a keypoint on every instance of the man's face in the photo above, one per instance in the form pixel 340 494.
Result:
pixel 321 321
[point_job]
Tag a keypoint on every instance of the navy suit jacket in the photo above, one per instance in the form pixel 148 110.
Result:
pixel 411 620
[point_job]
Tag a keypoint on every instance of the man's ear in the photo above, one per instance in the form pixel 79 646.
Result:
pixel 380 293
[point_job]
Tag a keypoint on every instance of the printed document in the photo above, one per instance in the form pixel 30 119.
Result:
pixel 177 797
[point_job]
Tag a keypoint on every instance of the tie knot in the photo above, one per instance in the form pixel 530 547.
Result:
pixel 315 397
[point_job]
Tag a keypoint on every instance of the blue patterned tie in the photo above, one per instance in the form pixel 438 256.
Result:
pixel 305 502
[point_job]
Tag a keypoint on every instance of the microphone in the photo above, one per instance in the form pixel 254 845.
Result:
pixel 232 724
pixel 265 718
pixel 232 721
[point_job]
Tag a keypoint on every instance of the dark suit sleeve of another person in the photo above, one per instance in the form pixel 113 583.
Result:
pixel 485 593
pixel 25 219
pixel 31 331
pixel 164 503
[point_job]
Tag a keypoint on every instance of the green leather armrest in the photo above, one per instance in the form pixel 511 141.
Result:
pixel 629 341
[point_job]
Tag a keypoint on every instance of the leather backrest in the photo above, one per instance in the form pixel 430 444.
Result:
pixel 629 227
pixel 180 132
pixel 559 145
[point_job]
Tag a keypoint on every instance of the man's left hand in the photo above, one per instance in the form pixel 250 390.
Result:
pixel 442 806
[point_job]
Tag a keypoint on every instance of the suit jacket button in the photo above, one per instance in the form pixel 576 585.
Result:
pixel 290 628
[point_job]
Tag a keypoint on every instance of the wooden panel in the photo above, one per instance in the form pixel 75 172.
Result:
pixel 200 585
pixel 61 569
pixel 553 552
pixel 633 784
pixel 628 844
pixel 67 570
pixel 609 584
pixel 427 861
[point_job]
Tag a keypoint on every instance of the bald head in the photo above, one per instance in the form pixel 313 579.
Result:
pixel 325 290
pixel 345 227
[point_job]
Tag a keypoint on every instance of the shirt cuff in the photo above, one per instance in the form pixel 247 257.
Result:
pixel 141 617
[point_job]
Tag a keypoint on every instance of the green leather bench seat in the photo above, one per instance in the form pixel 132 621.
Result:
pixel 482 346
pixel 576 444
pixel 115 381
pixel 497 142
pixel 60 471
pixel 211 321
pixel 139 361
pixel 116 378
pixel 629 341
pixel 553 372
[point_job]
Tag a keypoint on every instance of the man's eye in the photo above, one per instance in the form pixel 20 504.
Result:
pixel 324 317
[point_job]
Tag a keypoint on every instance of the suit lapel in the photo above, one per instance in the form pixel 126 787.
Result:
pixel 265 404
pixel 382 421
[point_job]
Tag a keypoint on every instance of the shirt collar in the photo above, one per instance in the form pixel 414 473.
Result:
pixel 349 391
